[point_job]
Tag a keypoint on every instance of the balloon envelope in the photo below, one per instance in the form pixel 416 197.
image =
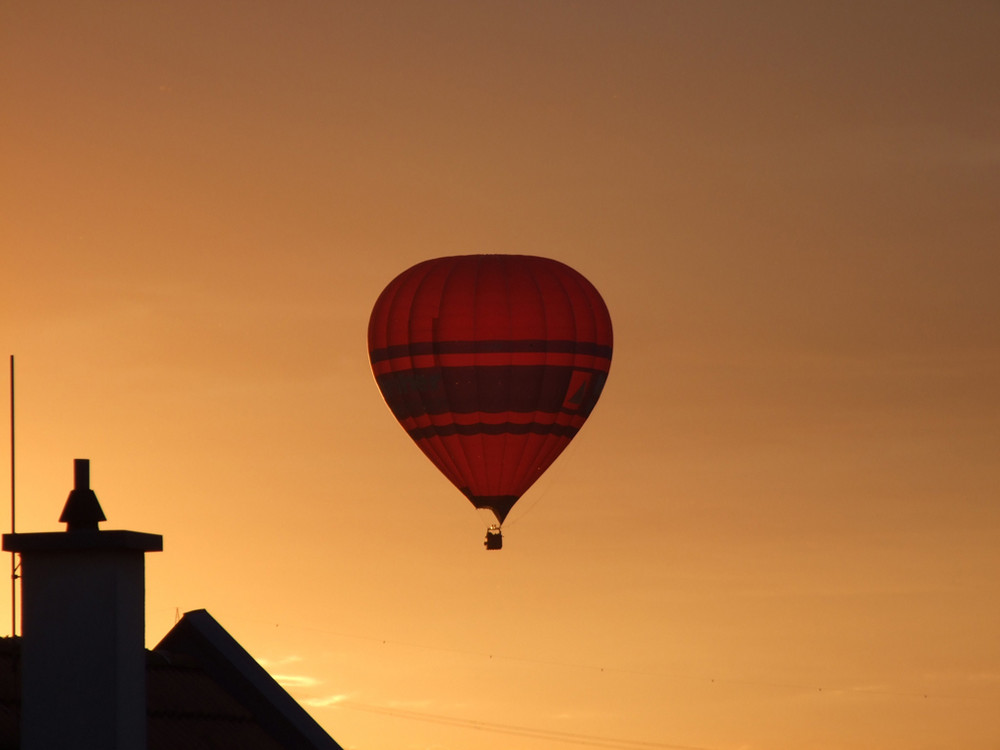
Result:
pixel 491 363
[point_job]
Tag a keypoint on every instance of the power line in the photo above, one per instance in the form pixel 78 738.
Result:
pixel 826 690
pixel 573 738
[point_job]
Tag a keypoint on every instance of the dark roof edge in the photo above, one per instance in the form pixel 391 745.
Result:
pixel 225 660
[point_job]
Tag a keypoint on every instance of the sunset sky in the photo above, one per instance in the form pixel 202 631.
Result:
pixel 779 529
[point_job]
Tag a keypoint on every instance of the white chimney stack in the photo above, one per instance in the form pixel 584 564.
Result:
pixel 83 665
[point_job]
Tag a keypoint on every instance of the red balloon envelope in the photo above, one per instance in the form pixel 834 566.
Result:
pixel 491 363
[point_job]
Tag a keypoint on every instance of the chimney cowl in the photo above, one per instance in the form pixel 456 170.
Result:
pixel 82 511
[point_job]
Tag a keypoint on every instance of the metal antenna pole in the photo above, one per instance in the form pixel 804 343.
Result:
pixel 13 513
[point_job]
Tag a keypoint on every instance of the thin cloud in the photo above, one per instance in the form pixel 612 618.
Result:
pixel 266 663
pixel 328 700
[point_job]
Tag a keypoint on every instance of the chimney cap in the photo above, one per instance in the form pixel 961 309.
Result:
pixel 82 511
pixel 82 514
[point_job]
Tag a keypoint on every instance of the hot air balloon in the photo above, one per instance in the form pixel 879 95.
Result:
pixel 491 363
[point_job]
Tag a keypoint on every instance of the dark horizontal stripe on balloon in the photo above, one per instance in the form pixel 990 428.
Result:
pixel 493 359
pixel 567 419
pixel 464 390
pixel 490 347
pixel 508 428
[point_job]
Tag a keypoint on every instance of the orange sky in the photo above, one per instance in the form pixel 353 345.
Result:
pixel 779 529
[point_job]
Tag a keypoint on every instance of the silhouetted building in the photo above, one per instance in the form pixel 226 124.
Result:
pixel 80 678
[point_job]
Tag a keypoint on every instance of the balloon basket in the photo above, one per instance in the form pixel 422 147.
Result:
pixel 494 539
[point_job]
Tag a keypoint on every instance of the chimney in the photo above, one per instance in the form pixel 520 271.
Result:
pixel 83 664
